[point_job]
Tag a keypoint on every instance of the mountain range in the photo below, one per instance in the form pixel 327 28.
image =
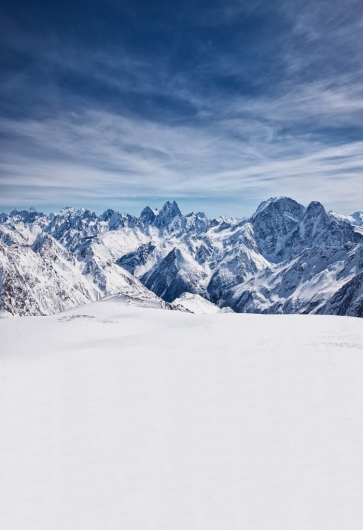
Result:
pixel 286 258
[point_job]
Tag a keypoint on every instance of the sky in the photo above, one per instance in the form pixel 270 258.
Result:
pixel 216 104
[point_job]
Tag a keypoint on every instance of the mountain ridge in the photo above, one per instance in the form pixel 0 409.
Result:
pixel 285 258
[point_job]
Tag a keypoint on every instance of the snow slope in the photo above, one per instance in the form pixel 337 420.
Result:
pixel 114 416
pixel 46 278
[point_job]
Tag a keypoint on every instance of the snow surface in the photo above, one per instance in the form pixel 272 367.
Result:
pixel 119 417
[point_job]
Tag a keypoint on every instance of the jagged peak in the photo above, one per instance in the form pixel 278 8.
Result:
pixel 358 217
pixel 67 210
pixel 26 215
pixel 86 212
pixel 200 215
pixel 70 211
pixel 167 214
pixel 149 209
pixel 172 208
pixel 230 220
pixel 271 200
pixel 107 214
pixel 315 207
pixel 279 203
pixel 148 214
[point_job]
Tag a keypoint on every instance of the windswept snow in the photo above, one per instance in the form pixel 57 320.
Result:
pixel 114 416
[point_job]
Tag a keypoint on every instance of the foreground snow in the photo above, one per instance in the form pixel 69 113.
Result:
pixel 114 416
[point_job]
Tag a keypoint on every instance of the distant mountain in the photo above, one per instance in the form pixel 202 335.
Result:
pixel 194 303
pixel 286 258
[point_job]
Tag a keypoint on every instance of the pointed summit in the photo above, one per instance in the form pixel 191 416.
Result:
pixel 107 214
pixel 169 211
pixel 148 215
pixel 323 229
pixel 172 276
pixel 358 218
pixel 281 205
pixel 172 208
pixel 273 222
pixel 315 208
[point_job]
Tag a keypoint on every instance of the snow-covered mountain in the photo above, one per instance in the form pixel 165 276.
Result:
pixel 286 258
pixel 194 303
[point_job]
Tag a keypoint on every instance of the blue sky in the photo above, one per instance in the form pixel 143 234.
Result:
pixel 216 104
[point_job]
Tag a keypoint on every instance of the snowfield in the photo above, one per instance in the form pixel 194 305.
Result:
pixel 120 417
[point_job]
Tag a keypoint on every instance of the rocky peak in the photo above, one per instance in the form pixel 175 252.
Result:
pixel 117 220
pixel 196 221
pixel 107 214
pixel 315 208
pixel 66 211
pixel 358 218
pixel 86 214
pixel 26 216
pixel 167 214
pixel 272 223
pixel 320 228
pixel 148 215
pixel 279 206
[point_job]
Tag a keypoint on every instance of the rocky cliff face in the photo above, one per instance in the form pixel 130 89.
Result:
pixel 348 300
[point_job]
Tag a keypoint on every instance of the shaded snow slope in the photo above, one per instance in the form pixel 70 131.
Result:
pixel 348 300
pixel 46 278
pixel 120 417
pixel 174 275
pixel 302 284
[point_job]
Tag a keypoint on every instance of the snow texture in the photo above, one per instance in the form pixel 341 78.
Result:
pixel 114 416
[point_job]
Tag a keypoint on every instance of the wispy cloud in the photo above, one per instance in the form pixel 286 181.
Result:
pixel 102 156
pixel 234 113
